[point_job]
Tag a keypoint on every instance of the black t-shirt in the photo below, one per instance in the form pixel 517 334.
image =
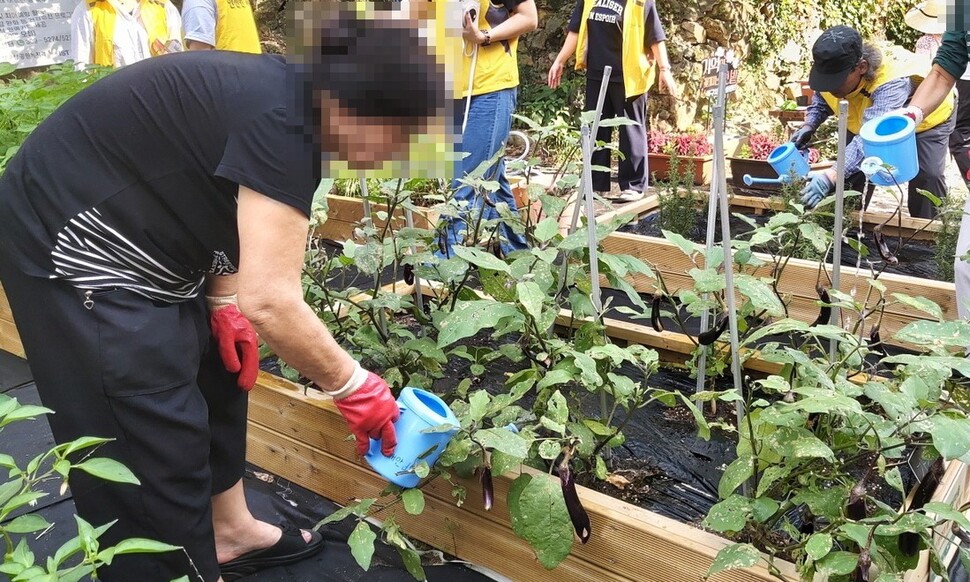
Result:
pixel 132 183
pixel 605 35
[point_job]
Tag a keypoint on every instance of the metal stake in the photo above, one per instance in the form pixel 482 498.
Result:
pixel 594 272
pixel 839 205
pixel 711 219
pixel 587 160
pixel 604 85
pixel 418 296
pixel 725 214
pixel 365 195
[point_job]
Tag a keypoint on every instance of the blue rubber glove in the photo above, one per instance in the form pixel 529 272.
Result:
pixel 817 188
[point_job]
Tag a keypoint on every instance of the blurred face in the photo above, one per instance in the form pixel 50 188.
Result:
pixel 363 142
pixel 853 81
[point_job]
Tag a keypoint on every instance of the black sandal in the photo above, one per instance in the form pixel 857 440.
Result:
pixel 289 549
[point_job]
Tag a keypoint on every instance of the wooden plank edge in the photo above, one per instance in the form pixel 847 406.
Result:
pixel 623 520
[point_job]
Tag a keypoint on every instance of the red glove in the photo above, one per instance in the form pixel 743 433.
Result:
pixel 237 343
pixel 370 410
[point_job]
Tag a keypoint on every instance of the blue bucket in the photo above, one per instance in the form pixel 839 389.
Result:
pixel 786 158
pixel 420 410
pixel 892 139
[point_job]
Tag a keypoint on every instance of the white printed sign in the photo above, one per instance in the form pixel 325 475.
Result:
pixel 35 32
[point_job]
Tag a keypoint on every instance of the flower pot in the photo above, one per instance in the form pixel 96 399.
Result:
pixel 700 167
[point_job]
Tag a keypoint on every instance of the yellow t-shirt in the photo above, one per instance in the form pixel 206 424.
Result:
pixel 236 27
pixel 496 66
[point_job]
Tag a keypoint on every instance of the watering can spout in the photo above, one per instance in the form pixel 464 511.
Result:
pixel 750 180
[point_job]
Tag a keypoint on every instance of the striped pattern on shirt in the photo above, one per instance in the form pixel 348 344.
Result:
pixel 92 255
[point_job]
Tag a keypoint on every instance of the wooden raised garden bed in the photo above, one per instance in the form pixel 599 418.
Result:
pixel 9 339
pixel 299 435
pixel 797 281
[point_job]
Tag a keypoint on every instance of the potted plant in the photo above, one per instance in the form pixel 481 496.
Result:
pixel 751 157
pixel 672 149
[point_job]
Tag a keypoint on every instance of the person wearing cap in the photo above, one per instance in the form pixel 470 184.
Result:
pixel 950 64
pixel 874 84
pixel 629 37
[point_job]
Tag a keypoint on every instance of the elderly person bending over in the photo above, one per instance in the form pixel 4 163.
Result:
pixel 874 84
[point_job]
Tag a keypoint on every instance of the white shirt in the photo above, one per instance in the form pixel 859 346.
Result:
pixel 199 21
pixel 130 39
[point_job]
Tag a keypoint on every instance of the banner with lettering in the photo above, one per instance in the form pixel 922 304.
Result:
pixel 35 32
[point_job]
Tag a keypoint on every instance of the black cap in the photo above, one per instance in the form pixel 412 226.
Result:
pixel 836 52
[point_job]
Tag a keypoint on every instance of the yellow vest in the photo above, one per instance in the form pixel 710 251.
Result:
pixel 638 70
pixel 236 27
pixel 891 69
pixel 496 68
pixel 103 17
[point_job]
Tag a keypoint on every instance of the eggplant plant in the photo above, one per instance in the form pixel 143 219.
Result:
pixel 81 556
pixel 25 102
pixel 817 439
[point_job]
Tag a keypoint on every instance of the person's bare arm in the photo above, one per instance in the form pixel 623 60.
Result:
pixel 659 51
pixel 272 240
pixel 565 53
pixel 933 90
pixel 525 18
pixel 196 45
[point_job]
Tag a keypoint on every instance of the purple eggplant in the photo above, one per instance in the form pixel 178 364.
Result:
pixel 577 514
pixel 409 274
pixel 883 247
pixel 855 507
pixel 862 567
pixel 655 321
pixel 710 336
pixel 875 341
pixel 825 312
pixel 488 493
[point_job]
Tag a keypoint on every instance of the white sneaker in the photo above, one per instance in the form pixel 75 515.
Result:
pixel 629 196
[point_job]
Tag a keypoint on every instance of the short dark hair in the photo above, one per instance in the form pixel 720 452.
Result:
pixel 374 67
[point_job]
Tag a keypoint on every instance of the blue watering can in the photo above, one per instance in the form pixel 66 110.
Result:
pixel 889 143
pixel 420 411
pixel 785 160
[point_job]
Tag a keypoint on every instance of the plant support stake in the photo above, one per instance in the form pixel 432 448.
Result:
pixel 365 196
pixel 732 312
pixel 418 297
pixel 604 85
pixel 711 219
pixel 594 272
pixel 839 209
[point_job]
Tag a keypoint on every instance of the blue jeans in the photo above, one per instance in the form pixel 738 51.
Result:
pixel 489 123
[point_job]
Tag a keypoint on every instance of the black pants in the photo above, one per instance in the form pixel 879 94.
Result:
pixel 633 138
pixel 960 137
pixel 140 373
